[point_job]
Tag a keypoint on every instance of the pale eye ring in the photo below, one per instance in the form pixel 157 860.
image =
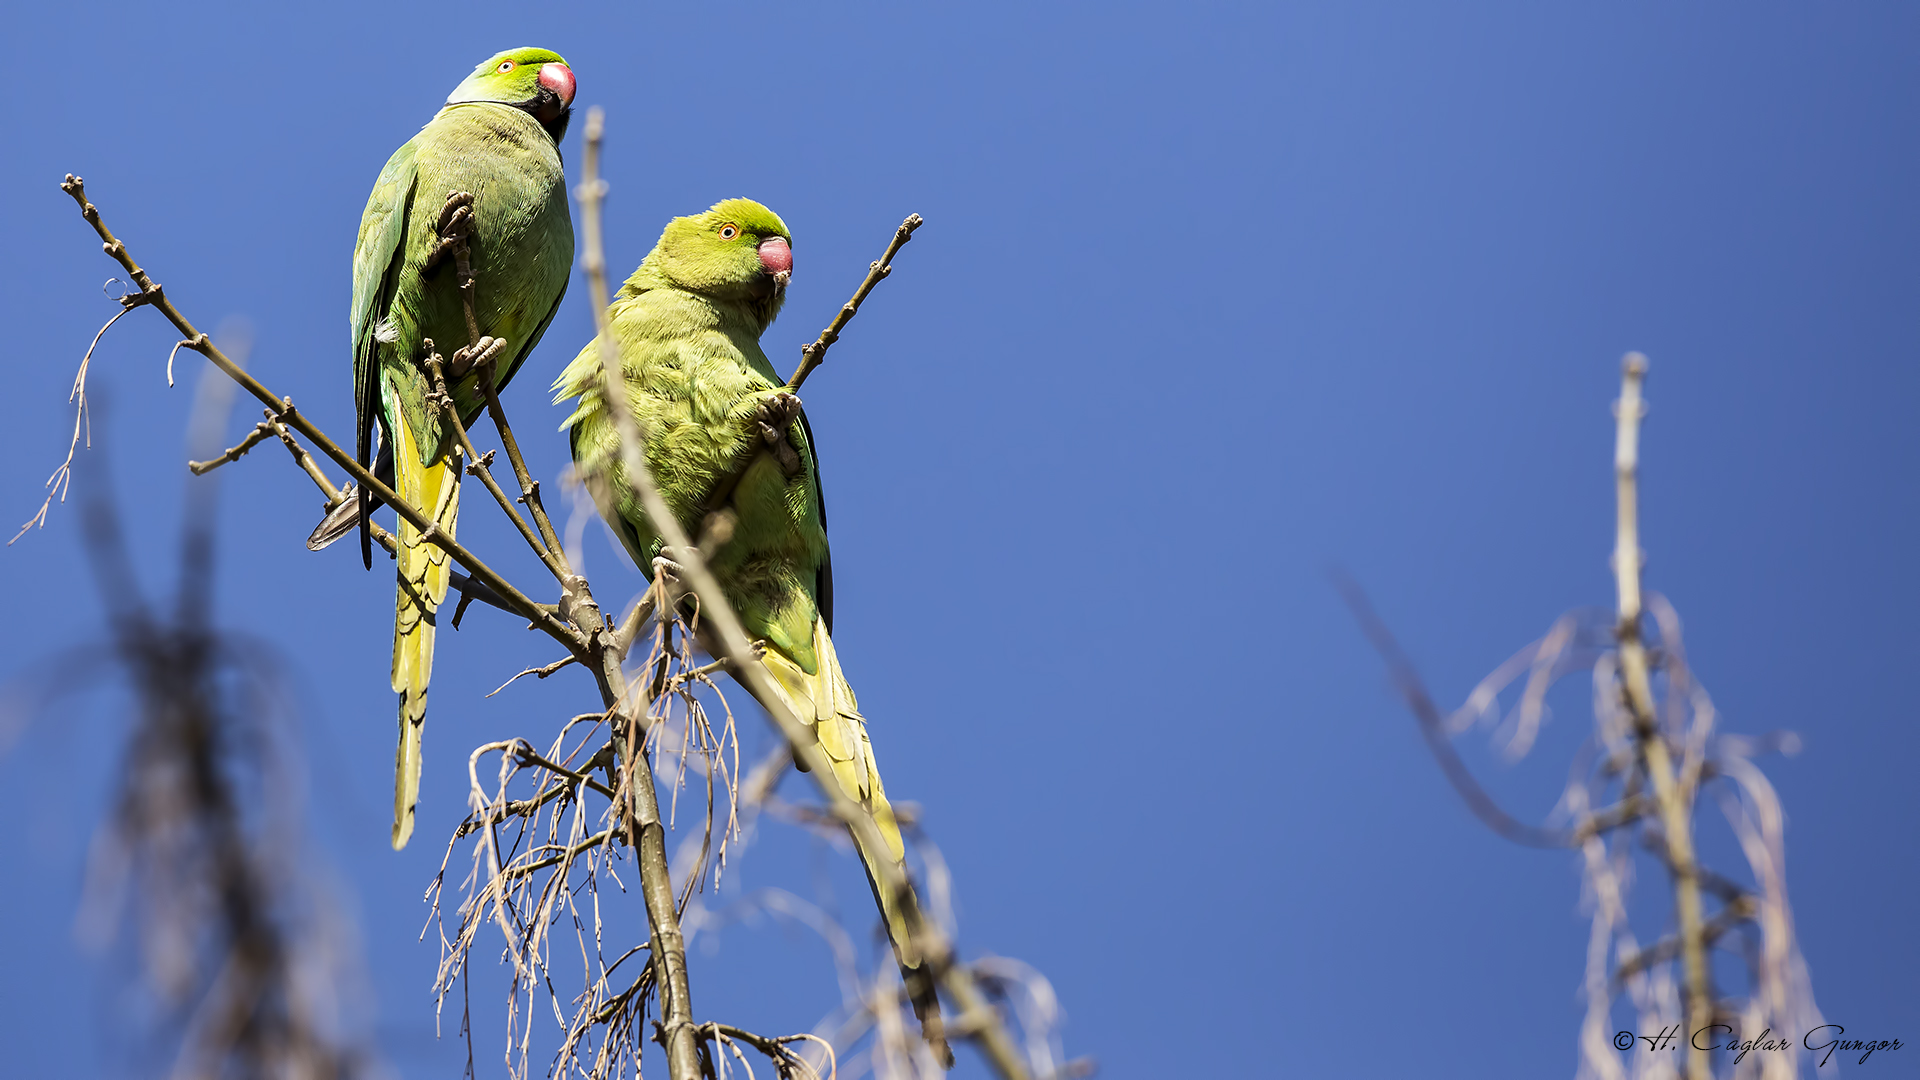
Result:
pixel 729 231
pixel 505 66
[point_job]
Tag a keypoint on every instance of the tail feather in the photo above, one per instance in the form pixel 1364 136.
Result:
pixel 345 516
pixel 341 520
pixel 826 701
pixel 424 574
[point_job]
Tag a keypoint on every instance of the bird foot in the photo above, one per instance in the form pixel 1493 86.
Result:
pixel 456 218
pixel 774 416
pixel 478 354
pixel 429 359
pixel 454 227
pixel 664 567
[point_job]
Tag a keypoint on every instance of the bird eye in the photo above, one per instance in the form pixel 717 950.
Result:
pixel 505 66
pixel 729 231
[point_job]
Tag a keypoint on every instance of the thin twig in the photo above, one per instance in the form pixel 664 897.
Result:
pixel 775 1049
pixel 548 547
pixel 637 618
pixel 529 487
pixel 261 433
pixel 477 464
pixel 62 479
pixel 1433 726
pixel 812 355
pixel 306 462
pixel 528 756
pixel 591 842
pixel 1740 911
pixel 1625 812
pixel 537 672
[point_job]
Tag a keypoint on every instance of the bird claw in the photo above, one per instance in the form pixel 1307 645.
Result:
pixel 478 354
pixel 665 567
pixel 456 218
pixel 774 416
pixel 429 356
pixel 777 410
pixel 455 225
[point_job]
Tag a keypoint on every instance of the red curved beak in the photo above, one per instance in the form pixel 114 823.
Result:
pixel 776 256
pixel 559 79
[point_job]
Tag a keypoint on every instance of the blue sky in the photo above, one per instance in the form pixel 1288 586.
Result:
pixel 1209 298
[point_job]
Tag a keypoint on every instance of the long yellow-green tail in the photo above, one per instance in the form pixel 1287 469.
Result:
pixel 424 572
pixel 826 701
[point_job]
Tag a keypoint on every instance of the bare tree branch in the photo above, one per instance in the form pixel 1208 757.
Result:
pixel 1433 727
pixel 261 432
pixel 814 354
pixel 1676 810
pixel 1658 752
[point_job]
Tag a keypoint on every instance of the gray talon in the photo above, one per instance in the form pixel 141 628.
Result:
pixel 778 410
pixel 457 215
pixel 774 417
pixel 481 352
pixel 454 226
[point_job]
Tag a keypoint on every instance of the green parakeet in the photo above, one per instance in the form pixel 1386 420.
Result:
pixel 688 325
pixel 487 164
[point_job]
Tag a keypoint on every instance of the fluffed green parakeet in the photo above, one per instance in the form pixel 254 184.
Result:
pixel 497 141
pixel 688 325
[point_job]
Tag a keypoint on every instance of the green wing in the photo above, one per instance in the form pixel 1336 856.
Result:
pixel 823 577
pixel 532 339
pixel 383 227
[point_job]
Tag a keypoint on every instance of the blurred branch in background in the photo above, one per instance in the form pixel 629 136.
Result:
pixel 200 851
pixel 1632 790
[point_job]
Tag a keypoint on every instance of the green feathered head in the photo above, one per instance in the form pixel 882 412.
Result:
pixel 535 80
pixel 738 250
